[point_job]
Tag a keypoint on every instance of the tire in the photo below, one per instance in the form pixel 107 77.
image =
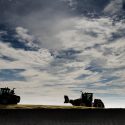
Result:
pixel 98 103
pixel 17 99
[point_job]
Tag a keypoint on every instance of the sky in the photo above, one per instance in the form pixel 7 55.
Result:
pixel 49 49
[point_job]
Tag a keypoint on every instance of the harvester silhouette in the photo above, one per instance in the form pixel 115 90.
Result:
pixel 86 99
pixel 7 96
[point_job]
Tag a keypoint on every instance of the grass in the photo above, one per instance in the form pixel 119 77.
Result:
pixel 21 106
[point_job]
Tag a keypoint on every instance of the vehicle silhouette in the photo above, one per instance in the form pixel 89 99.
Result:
pixel 86 99
pixel 7 96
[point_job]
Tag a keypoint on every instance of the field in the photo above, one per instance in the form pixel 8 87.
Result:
pixel 41 107
pixel 59 115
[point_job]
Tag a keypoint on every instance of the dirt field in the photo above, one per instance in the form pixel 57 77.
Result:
pixel 59 115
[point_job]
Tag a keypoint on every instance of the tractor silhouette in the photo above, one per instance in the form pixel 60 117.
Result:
pixel 7 96
pixel 86 99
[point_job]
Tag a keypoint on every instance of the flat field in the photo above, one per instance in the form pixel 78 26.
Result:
pixel 59 115
pixel 21 106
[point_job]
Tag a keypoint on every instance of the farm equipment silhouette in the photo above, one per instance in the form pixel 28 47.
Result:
pixel 86 99
pixel 7 96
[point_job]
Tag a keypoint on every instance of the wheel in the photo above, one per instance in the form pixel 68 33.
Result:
pixel 18 99
pixel 98 103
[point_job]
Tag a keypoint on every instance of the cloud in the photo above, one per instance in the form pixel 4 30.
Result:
pixel 23 35
pixel 73 54
pixel 24 58
pixel 3 33
pixel 86 62
pixel 7 58
pixel 114 7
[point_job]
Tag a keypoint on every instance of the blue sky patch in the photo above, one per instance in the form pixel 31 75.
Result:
pixel 11 75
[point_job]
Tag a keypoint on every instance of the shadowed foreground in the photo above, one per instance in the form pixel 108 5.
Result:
pixel 54 115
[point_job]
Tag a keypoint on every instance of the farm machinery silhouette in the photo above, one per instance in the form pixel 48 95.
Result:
pixel 86 99
pixel 7 96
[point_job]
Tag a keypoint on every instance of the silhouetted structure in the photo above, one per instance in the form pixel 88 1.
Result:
pixel 85 100
pixel 7 96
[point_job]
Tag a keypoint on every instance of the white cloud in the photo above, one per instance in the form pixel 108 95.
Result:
pixel 114 7
pixel 24 59
pixel 85 32
pixel 24 37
